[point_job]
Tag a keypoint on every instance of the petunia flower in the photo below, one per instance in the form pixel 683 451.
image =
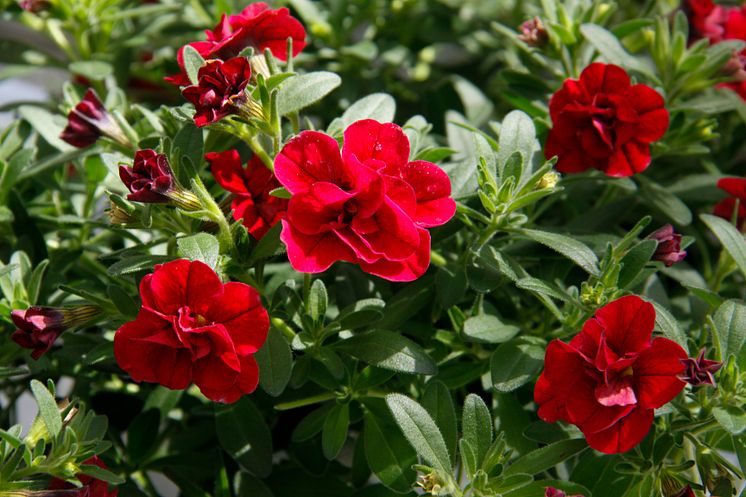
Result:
pixel 257 26
pixel 193 328
pixel 669 245
pixel 88 121
pixel 726 208
pixel 602 121
pixel 250 186
pixel 367 205
pixel 38 327
pixel 219 90
pixel 611 376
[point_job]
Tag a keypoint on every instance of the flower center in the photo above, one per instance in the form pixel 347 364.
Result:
pixel 617 391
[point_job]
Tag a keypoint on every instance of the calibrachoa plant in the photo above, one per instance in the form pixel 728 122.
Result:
pixel 361 249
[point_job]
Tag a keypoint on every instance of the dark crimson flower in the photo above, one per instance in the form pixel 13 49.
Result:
pixel 220 90
pixel 368 205
pixel 611 376
pixel 736 188
pixel 39 327
pixel 601 121
pixel 699 371
pixel 534 33
pixel 91 486
pixel 669 245
pixel 194 328
pixel 257 26
pixel 555 492
pixel 250 188
pixel 88 121
pixel 150 178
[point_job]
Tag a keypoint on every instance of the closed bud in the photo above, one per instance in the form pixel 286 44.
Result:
pixel 548 180
pixel 534 33
pixel 150 180
pixel 39 327
pixel 88 121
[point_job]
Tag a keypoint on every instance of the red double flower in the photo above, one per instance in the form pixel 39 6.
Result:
pixel 368 204
pixel 219 90
pixel 251 202
pixel 611 376
pixel 604 122
pixel 257 26
pixel 194 328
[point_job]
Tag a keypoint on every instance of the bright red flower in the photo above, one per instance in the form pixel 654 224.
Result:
pixel 736 188
pixel 88 121
pixel 669 245
pixel 368 205
pixel 250 188
pixel 257 26
pixel 91 486
pixel 194 328
pixel 604 122
pixel 220 89
pixel 611 376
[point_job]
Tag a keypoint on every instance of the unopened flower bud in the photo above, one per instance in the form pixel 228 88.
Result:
pixel 150 180
pixel 549 180
pixel 88 121
pixel 669 245
pixel 34 6
pixel 39 327
pixel 735 68
pixel 534 33
pixel 699 371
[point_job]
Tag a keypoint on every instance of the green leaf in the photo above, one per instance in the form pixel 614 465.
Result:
pixel 389 456
pixel 438 402
pixel 189 142
pixel 421 432
pixel 378 106
pixel 275 360
pixel 477 106
pixel 91 69
pixel 610 47
pixel 48 409
pixel 142 435
pixel 515 363
pixel 247 485
pixel 311 424
pixel 122 300
pixel 268 245
pixel 517 134
pixel 731 418
pixel 486 328
pixel 317 301
pixel 730 329
pixel 334 433
pixel 668 325
pixel 46 125
pixel 571 248
pixel 546 457
pixel 731 239
pixel 193 61
pixel 300 91
pixel 634 261
pixel 102 474
pixel 201 247
pixel 476 424
pixel 244 435
pixel 136 263
pixel 389 350
pixel 666 203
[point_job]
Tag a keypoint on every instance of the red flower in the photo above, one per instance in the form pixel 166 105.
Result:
pixel 669 245
pixel 257 26
pixel 39 327
pixel 150 178
pixel 699 371
pixel 250 188
pixel 88 121
pixel 91 486
pixel 602 121
pixel 368 205
pixel 736 188
pixel 611 376
pixel 220 90
pixel 193 328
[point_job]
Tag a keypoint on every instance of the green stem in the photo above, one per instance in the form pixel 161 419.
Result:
pixel 216 215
